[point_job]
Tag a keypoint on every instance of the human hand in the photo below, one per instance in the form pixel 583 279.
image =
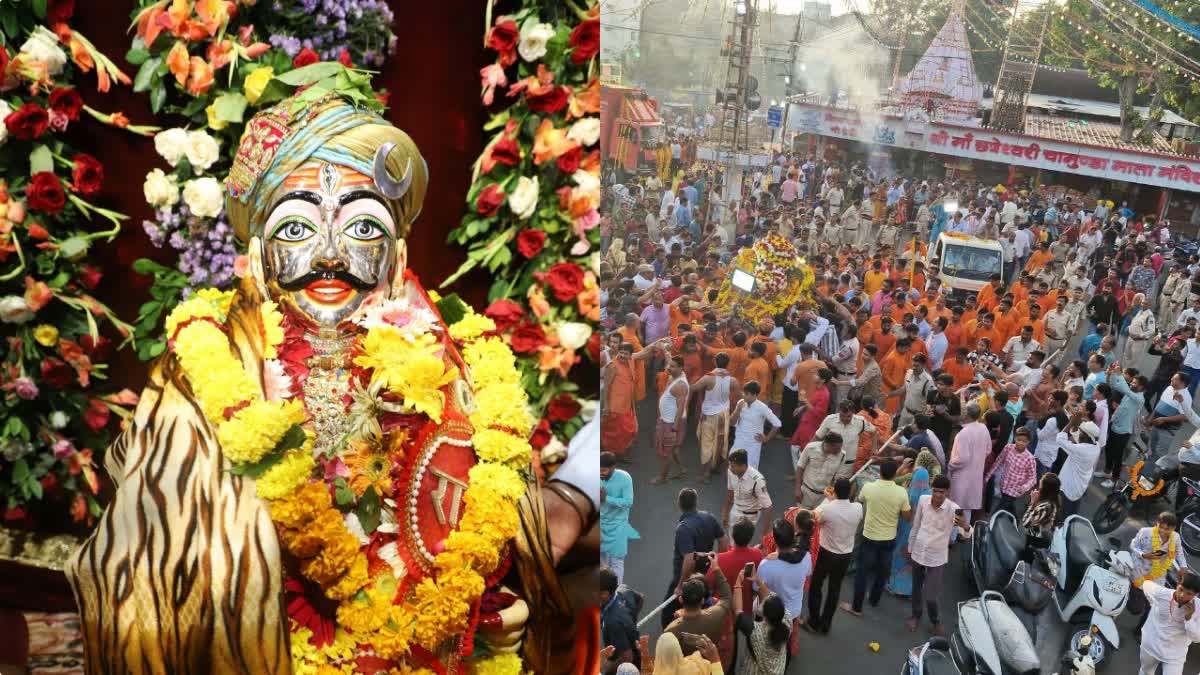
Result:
pixel 504 629
pixel 709 651
pixel 760 437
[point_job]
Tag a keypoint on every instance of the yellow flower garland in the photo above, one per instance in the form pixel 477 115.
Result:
pixel 310 526
pixel 1159 566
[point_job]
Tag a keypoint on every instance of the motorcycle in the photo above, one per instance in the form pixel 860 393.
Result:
pixel 995 563
pixel 1087 579
pixel 1178 482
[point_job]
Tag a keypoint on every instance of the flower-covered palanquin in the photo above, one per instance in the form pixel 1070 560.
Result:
pixel 328 473
pixel 781 279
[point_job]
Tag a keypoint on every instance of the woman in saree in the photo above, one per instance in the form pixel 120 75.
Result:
pixel 900 581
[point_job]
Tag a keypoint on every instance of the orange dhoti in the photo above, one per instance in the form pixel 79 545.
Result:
pixel 639 367
pixel 619 425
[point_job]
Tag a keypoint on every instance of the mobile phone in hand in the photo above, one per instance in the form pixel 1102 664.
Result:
pixel 748 570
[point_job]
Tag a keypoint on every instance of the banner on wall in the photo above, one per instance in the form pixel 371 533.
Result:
pixel 985 144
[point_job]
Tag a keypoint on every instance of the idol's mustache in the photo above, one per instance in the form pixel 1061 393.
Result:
pixel 326 275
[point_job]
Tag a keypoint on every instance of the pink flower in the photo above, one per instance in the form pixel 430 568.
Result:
pixel 241 265
pixel 582 224
pixel 63 449
pixel 335 468
pixel 492 76
pixel 59 121
pixel 25 388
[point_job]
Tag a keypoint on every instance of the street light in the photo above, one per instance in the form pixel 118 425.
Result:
pixel 787 79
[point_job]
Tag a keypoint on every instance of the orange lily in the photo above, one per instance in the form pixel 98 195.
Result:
pixel 589 299
pixel 550 143
pixel 553 357
pixel 177 62
pixel 591 163
pixel 585 100
pixel 213 13
pixel 200 77
pixel 537 302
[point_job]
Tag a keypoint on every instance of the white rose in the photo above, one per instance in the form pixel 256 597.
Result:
pixel 586 181
pixel 572 335
pixel 12 449
pixel 590 408
pixel 14 310
pixel 172 144
pixel 523 200
pixel 204 197
pixel 202 150
pixel 586 131
pixel 534 37
pixel 42 46
pixel 160 189
pixel 5 109
pixel 58 419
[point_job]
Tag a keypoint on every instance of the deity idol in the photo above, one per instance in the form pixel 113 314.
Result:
pixel 321 475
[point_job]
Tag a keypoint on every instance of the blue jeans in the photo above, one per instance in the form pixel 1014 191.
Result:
pixel 1194 375
pixel 874 557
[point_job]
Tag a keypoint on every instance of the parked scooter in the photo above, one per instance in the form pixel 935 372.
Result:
pixel 992 640
pixel 1085 581
pixel 997 548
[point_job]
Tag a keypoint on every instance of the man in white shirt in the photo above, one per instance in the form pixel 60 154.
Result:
pixel 1141 329
pixel 746 494
pixel 917 384
pixel 1192 312
pixel 936 343
pixel 934 520
pixel 1173 407
pixel 1078 441
pixel 1171 627
pixel 839 519
pixel 1019 347
pixel 845 424
pixel 1023 246
pixel 666 205
pixel 749 418
pixel 1008 214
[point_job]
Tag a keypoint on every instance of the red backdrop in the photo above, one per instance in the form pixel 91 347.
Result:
pixel 434 84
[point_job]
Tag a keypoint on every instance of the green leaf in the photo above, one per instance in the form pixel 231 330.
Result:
pixel 148 351
pixel 310 73
pixel 367 510
pixel 258 468
pixel 145 74
pixel 158 96
pixel 452 308
pixel 147 266
pixel 15 428
pixel 138 55
pixel 74 247
pixel 343 495
pixel 20 471
pixel 40 160
pixel 230 107
pixel 39 8
pixel 498 120
pixel 194 106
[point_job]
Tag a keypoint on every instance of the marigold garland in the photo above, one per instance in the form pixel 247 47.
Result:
pixel 310 526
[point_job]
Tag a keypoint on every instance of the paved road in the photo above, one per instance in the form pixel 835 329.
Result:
pixel 845 650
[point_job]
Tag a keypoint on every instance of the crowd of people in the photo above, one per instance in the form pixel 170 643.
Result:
pixel 909 409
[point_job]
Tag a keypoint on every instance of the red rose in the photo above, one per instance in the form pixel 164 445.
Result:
pixel 541 435
pixel 3 61
pixel 528 337
pixel 89 278
pixel 96 350
pixel 565 279
pixel 96 416
pixel 568 162
pixel 562 408
pixel 593 346
pixel 58 11
pixel 586 41
pixel 550 101
pixel 56 373
pixel 88 175
pixel 27 122
pixel 490 200
pixel 504 35
pixel 66 102
pixel 305 57
pixel 505 313
pixel 45 192
pixel 530 242
pixel 506 151
pixel 344 58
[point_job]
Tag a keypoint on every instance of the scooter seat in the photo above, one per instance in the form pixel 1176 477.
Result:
pixel 938 662
pixel 1083 550
pixel 1007 541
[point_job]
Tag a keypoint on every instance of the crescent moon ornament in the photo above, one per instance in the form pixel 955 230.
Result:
pixel 388 186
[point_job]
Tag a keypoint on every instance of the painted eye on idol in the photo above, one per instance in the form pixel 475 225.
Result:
pixel 293 231
pixel 364 229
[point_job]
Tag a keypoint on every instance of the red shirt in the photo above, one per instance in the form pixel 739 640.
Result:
pixel 731 563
